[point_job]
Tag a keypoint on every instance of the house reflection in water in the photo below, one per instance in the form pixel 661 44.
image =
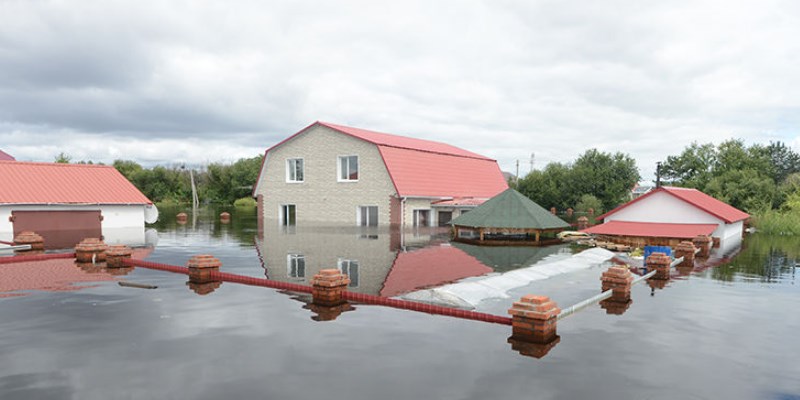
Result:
pixel 383 261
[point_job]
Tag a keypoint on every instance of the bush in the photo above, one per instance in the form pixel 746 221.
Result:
pixel 245 202
pixel 774 222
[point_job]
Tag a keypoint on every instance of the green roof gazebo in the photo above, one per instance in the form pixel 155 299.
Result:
pixel 510 218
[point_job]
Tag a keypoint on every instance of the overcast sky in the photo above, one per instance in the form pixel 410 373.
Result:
pixel 201 81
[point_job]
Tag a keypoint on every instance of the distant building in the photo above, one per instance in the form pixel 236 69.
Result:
pixel 667 215
pixel 6 157
pixel 333 174
pixel 67 202
pixel 640 190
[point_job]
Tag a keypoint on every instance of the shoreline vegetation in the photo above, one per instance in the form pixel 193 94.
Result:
pixel 763 180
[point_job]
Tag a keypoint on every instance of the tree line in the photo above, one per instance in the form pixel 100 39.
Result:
pixel 752 178
pixel 216 183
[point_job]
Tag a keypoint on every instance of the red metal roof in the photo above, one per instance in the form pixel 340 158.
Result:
pixel 423 174
pixel 461 201
pixel 424 168
pixel 45 183
pixel 651 229
pixel 694 197
pixel 430 267
pixel 5 156
pixel 386 139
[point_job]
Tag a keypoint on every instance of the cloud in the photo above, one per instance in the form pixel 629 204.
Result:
pixel 505 79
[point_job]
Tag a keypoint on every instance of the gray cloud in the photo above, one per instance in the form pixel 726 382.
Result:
pixel 501 78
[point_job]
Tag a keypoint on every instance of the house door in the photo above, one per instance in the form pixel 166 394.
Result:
pixel 445 217
pixel 59 229
pixel 368 216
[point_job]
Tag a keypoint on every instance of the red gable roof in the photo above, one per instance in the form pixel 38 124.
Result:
pixel 694 197
pixel 389 140
pixel 419 173
pixel 44 183
pixel 429 267
pixel 5 156
pixel 424 168
pixel 651 229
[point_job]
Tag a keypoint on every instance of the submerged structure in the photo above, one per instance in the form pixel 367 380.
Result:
pixel 510 218
pixel 65 203
pixel 669 215
pixel 329 174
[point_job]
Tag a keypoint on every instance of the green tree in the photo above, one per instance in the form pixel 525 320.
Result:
pixel 589 201
pixel 747 189
pixel 609 177
pixel 63 158
pixel 694 167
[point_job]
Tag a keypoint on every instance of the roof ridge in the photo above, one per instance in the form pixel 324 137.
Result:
pixel 338 127
pixel 55 164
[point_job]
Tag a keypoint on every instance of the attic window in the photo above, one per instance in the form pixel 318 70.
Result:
pixel 294 170
pixel 348 168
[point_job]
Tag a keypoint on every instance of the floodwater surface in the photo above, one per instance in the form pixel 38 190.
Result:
pixel 728 331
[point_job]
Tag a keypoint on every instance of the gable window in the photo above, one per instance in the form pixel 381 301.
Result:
pixel 288 215
pixel 349 268
pixel 294 170
pixel 368 216
pixel 348 168
pixel 295 266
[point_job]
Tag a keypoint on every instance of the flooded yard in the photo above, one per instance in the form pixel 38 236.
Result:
pixel 66 332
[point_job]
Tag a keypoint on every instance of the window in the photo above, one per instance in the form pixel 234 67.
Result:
pixel 294 170
pixel 368 216
pixel 288 215
pixel 421 217
pixel 295 266
pixel 349 268
pixel 348 168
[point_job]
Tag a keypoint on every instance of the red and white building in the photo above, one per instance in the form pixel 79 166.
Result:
pixel 5 156
pixel 67 202
pixel 334 174
pixel 666 215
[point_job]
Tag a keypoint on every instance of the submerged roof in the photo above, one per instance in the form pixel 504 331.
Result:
pixel 46 183
pixel 510 209
pixel 651 229
pixel 425 168
pixel 694 197
pixel 5 156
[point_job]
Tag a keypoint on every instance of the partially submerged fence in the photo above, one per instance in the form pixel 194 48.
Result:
pixel 533 318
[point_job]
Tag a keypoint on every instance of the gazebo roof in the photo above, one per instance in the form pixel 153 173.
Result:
pixel 510 209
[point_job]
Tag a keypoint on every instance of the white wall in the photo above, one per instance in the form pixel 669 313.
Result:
pixel 122 224
pixel 665 208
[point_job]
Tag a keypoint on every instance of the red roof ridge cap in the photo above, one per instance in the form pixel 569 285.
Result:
pixel 55 164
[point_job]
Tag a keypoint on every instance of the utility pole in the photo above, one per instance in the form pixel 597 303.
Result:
pixel 658 174
pixel 517 170
pixel 533 155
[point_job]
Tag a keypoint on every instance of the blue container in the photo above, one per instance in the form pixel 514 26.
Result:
pixel 657 249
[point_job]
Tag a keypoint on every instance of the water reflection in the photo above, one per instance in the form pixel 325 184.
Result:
pixel 382 261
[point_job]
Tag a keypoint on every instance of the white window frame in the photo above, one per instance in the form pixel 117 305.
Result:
pixel 358 215
pixel 415 217
pixel 290 170
pixel 281 214
pixel 339 168
pixel 291 258
pixel 348 263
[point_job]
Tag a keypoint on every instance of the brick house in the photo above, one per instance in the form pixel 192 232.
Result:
pixel 339 175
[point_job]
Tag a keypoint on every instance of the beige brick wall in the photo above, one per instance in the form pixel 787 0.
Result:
pixel 321 198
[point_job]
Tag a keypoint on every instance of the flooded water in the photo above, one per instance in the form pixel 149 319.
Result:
pixel 728 331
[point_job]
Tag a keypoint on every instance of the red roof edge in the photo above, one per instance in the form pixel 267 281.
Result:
pixel 666 189
pixel 397 191
pixel 264 160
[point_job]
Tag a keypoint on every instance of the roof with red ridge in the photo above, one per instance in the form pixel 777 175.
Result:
pixel 6 157
pixel 48 183
pixel 651 229
pixel 715 207
pixel 425 168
